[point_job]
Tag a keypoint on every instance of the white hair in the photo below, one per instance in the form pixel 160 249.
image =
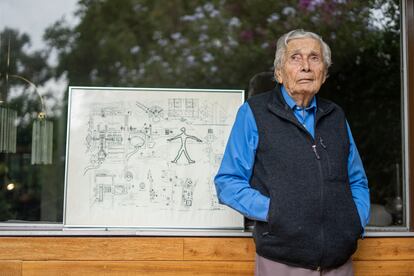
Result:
pixel 296 34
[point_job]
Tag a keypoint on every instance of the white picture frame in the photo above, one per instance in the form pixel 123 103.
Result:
pixel 147 157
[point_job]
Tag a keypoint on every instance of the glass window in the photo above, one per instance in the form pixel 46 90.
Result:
pixel 193 44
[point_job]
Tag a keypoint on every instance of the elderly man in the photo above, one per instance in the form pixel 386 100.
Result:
pixel 291 164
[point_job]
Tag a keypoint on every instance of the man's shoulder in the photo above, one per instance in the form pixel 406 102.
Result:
pixel 263 97
pixel 326 104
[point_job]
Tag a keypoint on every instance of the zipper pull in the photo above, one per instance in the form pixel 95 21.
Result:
pixel 315 152
pixel 321 142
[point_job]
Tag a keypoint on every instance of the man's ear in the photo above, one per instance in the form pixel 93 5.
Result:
pixel 325 77
pixel 278 76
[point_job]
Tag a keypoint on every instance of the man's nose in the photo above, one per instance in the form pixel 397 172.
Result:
pixel 305 65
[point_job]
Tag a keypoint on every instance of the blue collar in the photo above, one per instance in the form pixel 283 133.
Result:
pixel 292 104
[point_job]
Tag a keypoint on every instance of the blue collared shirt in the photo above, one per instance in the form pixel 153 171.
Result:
pixel 305 115
pixel 233 177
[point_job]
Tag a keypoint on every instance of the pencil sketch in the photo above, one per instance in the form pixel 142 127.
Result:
pixel 183 136
pixel 144 158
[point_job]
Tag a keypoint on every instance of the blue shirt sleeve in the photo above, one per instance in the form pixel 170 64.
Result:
pixel 232 180
pixel 358 181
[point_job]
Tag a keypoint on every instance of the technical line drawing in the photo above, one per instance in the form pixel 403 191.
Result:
pixel 183 108
pixel 183 136
pixel 155 113
pixel 105 187
pixel 128 176
pixel 147 159
pixel 187 193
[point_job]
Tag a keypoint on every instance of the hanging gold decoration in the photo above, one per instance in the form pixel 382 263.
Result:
pixel 42 132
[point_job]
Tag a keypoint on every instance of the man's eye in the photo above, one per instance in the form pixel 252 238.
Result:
pixel 295 57
pixel 315 58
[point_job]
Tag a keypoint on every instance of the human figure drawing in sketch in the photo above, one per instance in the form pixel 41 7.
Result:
pixel 183 136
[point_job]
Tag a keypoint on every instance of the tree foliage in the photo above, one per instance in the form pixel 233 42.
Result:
pixel 222 44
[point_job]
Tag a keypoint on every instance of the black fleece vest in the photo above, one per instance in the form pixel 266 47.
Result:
pixel 313 221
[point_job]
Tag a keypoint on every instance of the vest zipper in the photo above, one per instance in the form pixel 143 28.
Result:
pixel 315 151
pixel 313 142
pixel 327 155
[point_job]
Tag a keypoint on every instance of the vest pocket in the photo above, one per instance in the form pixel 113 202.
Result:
pixel 357 220
pixel 271 215
pixel 275 217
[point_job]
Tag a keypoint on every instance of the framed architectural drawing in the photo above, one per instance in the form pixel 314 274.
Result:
pixel 146 158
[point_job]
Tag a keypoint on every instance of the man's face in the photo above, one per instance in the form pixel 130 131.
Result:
pixel 302 70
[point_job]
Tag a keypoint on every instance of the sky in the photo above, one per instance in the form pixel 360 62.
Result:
pixel 34 16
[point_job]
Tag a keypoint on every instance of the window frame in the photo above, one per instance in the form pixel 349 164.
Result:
pixel 407 84
pixel 408 24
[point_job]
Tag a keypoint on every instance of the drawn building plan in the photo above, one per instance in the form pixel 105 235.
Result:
pixel 147 157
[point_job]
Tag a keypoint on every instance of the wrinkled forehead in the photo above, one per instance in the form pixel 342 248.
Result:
pixel 304 45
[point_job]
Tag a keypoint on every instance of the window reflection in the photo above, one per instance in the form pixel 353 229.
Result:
pixel 199 44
